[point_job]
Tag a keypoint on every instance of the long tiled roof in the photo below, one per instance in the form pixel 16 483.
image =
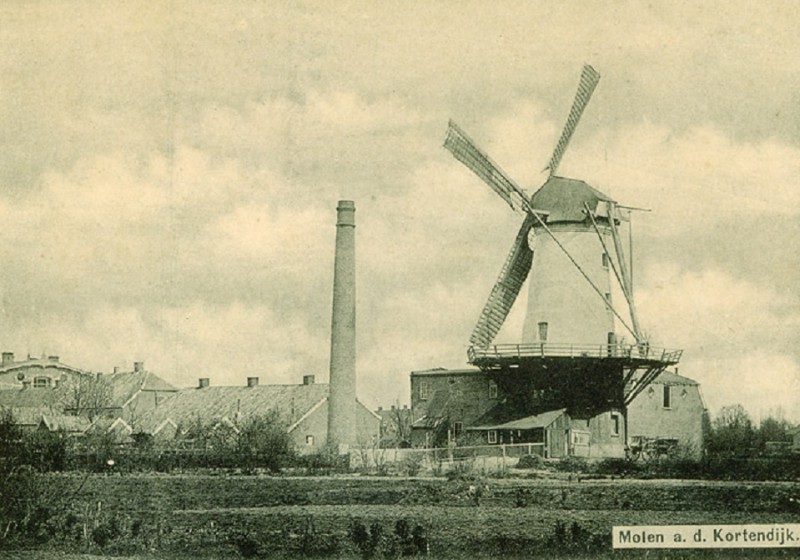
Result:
pixel 210 404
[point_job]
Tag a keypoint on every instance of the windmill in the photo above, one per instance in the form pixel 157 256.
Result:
pixel 568 246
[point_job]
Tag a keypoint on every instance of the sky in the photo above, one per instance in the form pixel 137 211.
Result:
pixel 169 174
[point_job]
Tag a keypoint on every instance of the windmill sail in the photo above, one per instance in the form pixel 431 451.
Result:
pixel 464 150
pixel 505 291
pixel 589 79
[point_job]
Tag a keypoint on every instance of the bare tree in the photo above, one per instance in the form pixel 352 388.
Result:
pixel 88 395
pixel 396 427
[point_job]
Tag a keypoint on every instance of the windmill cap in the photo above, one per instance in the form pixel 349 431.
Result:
pixel 565 198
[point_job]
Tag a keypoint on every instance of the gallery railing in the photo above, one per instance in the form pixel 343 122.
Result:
pixel 547 349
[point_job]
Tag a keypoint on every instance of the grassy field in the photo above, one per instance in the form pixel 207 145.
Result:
pixel 172 517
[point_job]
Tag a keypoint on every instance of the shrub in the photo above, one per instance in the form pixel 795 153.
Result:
pixel 411 464
pixel 105 532
pixel 462 470
pixel 619 467
pixel 247 546
pixel 530 462
pixel 573 465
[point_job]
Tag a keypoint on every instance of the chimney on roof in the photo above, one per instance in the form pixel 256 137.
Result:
pixel 308 380
pixel 26 384
pixel 116 369
pixel 342 391
pixel 138 367
pixel 8 358
pixel 53 359
pixel 202 383
pixel 252 381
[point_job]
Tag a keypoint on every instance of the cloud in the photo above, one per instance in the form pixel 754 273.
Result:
pixel 732 334
pixel 171 175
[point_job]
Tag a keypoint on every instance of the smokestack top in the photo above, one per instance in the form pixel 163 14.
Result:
pixel 138 367
pixel 345 213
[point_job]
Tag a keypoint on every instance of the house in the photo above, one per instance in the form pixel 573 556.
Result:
pixel 135 393
pixel 444 402
pixel 466 406
pixel 36 373
pixel 47 384
pixel 302 408
pixel 670 408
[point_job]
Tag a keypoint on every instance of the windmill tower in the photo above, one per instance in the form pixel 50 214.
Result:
pixel 569 247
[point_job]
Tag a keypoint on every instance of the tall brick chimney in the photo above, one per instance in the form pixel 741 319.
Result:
pixel 342 396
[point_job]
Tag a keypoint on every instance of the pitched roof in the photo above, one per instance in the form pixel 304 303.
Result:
pixel 125 384
pixel 32 397
pixel 208 404
pixel 564 199
pixel 29 416
pixel 671 378
pixel 541 420
pixel 436 409
pixel 58 422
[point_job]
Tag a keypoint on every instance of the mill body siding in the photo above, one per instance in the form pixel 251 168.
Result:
pixel 560 296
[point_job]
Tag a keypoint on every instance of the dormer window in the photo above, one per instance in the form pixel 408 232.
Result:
pixel 41 382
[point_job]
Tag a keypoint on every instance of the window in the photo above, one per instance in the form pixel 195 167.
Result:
pixel 605 260
pixel 309 440
pixel 424 391
pixel 491 436
pixel 492 390
pixel 40 382
pixel 543 332
pixel 458 428
pixel 615 424
pixel 667 395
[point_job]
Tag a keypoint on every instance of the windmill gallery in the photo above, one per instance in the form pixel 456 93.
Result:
pixel 572 385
